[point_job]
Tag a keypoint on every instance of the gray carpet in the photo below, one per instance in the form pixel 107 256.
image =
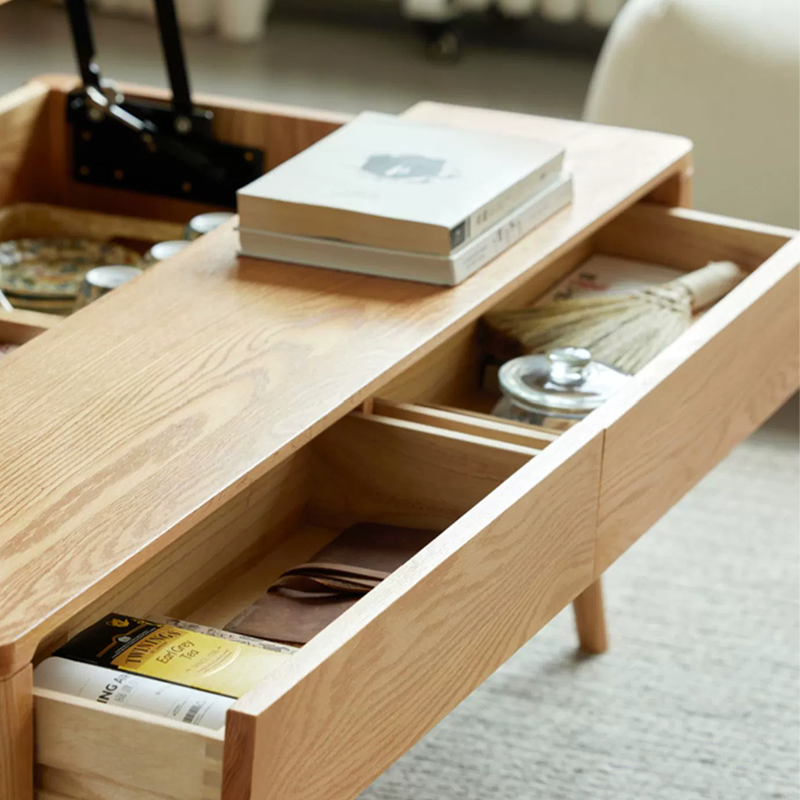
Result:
pixel 698 696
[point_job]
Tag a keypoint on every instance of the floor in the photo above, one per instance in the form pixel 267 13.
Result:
pixel 303 63
pixel 697 698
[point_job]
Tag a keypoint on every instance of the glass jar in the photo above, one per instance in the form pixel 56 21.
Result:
pixel 555 389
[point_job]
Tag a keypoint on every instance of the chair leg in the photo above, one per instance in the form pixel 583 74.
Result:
pixel 590 619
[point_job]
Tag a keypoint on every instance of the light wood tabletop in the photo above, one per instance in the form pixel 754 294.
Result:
pixel 127 424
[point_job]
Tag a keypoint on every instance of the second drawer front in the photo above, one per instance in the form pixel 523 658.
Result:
pixel 370 685
pixel 702 396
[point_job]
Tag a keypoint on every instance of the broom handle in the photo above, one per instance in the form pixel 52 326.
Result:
pixel 709 284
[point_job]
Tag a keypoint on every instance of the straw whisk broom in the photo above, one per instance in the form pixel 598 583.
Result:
pixel 624 330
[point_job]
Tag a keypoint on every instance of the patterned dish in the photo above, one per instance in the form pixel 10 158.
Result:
pixel 53 268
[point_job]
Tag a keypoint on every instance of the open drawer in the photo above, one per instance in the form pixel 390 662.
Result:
pixel 531 519
pixel 509 558
pixel 682 413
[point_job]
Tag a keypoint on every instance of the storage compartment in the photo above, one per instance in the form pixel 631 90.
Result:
pixel 36 147
pixel 40 197
pixel 690 405
pixel 458 375
pixel 364 468
pixel 130 238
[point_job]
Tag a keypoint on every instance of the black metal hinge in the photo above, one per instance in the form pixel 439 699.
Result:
pixel 158 148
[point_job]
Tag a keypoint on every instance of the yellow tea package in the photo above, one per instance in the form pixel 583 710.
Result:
pixel 172 654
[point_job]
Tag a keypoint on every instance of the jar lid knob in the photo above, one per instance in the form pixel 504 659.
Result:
pixel 568 365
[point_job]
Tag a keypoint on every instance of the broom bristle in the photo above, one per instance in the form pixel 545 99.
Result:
pixel 625 331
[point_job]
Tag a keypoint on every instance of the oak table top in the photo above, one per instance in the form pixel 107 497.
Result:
pixel 138 417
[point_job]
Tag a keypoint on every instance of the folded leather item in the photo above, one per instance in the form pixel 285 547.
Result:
pixel 309 596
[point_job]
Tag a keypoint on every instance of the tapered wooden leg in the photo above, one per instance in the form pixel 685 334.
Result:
pixel 16 736
pixel 590 619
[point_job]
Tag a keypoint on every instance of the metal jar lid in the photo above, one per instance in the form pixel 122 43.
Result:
pixel 101 280
pixel 205 223
pixel 164 250
pixel 565 382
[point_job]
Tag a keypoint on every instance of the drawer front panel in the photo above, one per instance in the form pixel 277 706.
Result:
pixel 86 749
pixel 370 685
pixel 696 401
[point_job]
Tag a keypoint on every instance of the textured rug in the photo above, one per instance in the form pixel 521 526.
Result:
pixel 698 696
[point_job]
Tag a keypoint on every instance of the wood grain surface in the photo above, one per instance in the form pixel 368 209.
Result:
pixel 21 122
pixel 157 756
pixel 39 219
pixel 424 639
pixel 677 191
pixel 403 473
pixel 65 784
pixel 703 395
pixel 688 239
pixel 157 404
pixel 544 435
pixel 16 736
pixel 158 415
pixel 453 420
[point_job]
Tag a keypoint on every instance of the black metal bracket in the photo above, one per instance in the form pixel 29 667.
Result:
pixel 158 148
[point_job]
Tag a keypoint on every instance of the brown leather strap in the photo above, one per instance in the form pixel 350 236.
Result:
pixel 335 568
pixel 328 578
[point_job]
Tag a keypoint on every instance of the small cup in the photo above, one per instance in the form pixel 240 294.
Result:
pixel 100 281
pixel 204 223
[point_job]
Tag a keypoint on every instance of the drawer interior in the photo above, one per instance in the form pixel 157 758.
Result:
pixel 458 374
pixel 366 467
pixel 40 197
pixel 36 157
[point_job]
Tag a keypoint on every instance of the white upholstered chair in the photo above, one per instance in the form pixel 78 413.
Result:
pixel 724 73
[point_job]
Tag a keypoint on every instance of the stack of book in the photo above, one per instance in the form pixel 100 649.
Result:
pixel 384 195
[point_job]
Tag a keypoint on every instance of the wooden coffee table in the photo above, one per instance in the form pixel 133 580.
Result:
pixel 174 446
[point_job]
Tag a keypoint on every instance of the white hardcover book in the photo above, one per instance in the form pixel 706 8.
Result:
pixel 391 182
pixel 445 270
